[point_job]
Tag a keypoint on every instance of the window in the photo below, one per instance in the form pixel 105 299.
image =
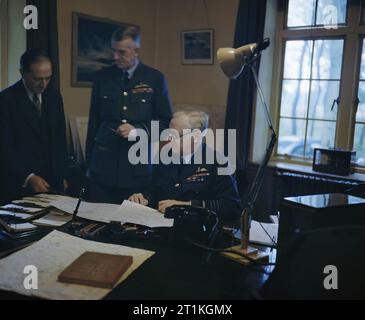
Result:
pixel 306 13
pixel 12 40
pixel 359 141
pixel 310 86
pixel 322 50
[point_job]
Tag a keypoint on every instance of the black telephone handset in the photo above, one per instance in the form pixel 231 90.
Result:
pixel 192 223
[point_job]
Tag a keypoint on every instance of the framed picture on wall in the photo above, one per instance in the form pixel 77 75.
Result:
pixel 197 46
pixel 91 46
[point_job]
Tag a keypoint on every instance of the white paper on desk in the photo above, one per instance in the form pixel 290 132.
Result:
pixel 258 234
pixel 275 219
pixel 132 212
pixel 36 200
pixel 22 227
pixel 51 256
pixel 38 203
pixel 128 212
pixel 50 197
pixel 53 219
pixel 103 212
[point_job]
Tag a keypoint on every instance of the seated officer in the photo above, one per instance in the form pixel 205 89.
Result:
pixel 194 181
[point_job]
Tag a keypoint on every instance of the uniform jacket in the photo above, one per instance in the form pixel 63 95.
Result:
pixel 198 183
pixel 144 98
pixel 28 143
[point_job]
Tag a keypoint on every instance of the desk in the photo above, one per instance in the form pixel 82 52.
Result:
pixel 177 272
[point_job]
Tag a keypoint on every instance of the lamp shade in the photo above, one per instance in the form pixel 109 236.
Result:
pixel 232 61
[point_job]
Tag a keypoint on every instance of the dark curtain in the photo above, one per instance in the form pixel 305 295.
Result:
pixel 46 37
pixel 242 91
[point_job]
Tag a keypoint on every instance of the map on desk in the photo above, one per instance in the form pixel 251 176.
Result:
pixel 51 256
pixel 127 212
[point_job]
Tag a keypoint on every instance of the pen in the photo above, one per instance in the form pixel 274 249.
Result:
pixel 78 204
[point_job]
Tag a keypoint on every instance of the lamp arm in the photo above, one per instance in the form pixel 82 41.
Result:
pixel 259 178
pixel 256 184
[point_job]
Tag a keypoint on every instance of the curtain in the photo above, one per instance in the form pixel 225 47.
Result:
pixel 46 36
pixel 242 91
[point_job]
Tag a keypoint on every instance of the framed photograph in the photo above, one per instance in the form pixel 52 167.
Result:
pixel 197 46
pixel 91 46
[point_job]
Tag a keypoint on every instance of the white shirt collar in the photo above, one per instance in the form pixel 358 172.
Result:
pixel 31 93
pixel 187 158
pixel 132 70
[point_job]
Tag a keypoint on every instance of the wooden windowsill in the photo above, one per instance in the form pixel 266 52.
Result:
pixel 300 168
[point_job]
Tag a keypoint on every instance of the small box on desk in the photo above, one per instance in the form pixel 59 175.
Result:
pixel 334 161
pixel 305 213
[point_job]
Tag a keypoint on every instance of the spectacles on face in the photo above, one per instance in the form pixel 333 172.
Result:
pixel 174 137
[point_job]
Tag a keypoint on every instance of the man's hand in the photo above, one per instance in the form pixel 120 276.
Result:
pixel 65 185
pixel 124 130
pixel 139 198
pixel 38 184
pixel 163 205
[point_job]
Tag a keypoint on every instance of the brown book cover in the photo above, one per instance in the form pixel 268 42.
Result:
pixel 96 269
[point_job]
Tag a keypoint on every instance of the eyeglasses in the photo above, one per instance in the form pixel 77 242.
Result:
pixel 173 137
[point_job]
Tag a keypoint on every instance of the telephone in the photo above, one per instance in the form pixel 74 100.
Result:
pixel 193 224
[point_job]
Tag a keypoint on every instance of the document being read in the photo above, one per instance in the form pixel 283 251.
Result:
pixel 127 212
pixel 136 213
pixel 52 255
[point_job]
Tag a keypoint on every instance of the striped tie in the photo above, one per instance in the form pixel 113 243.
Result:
pixel 37 104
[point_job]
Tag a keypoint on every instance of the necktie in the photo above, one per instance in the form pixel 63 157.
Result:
pixel 37 104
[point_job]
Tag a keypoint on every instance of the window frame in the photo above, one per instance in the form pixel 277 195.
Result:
pixel 351 33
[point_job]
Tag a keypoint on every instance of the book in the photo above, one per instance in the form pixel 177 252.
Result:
pixel 96 269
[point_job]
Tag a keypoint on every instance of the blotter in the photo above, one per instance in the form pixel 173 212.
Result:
pixel 96 269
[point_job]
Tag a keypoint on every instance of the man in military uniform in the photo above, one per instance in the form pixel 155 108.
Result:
pixel 125 97
pixel 193 181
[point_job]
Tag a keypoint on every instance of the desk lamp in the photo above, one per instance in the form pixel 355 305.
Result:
pixel 232 62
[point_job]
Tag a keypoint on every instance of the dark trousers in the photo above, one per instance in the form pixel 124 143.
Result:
pixel 104 194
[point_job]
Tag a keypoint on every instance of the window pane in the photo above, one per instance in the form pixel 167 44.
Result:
pixel 301 13
pixel 320 134
pixel 331 12
pixel 298 59
pixel 360 115
pixel 294 100
pixel 362 71
pixel 323 93
pixel 291 136
pixel 359 143
pixel 327 59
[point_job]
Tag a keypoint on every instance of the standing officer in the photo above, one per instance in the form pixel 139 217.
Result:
pixel 194 181
pixel 126 96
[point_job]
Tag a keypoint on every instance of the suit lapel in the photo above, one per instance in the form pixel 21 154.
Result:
pixel 27 110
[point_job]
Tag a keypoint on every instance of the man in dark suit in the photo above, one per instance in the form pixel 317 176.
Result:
pixel 32 131
pixel 126 96
pixel 201 177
